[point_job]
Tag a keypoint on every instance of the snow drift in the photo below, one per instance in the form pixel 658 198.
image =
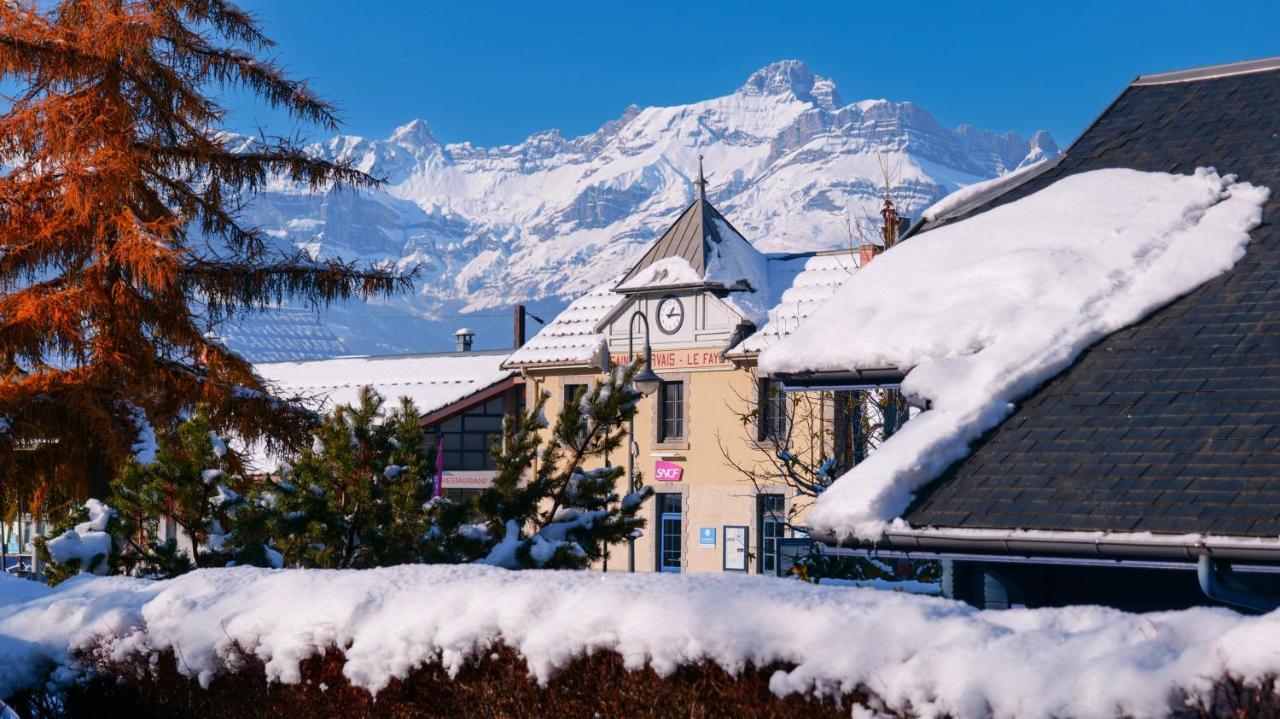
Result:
pixel 982 311
pixel 939 656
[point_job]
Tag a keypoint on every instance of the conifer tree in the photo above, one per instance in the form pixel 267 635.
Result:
pixel 551 513
pixel 118 218
pixel 188 486
pixel 362 495
pixel 357 498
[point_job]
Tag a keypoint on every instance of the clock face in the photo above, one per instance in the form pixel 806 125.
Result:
pixel 670 315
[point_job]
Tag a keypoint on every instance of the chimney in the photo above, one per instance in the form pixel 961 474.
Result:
pixel 462 339
pixel 889 230
pixel 894 224
pixel 866 253
pixel 519 326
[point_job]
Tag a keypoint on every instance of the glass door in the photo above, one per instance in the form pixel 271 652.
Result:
pixel 670 532
pixel 772 524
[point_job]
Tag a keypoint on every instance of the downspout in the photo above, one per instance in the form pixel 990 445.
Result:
pixel 1218 582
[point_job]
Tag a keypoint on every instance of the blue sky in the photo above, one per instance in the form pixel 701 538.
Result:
pixel 492 73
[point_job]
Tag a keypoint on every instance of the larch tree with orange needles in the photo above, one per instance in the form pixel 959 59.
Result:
pixel 119 239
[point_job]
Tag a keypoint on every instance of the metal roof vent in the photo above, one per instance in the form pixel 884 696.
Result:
pixel 463 339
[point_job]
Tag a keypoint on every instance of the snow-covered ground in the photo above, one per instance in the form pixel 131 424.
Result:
pixel 982 311
pixel 937 655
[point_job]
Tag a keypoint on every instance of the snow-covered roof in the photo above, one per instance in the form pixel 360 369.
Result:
pixel 984 310
pixel 432 381
pixel 978 193
pixel 280 334
pixel 792 286
pixel 571 338
pixel 702 250
pixel 666 272
pixel 797 285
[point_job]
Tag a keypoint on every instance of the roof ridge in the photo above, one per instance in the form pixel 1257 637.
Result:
pixel 395 356
pixel 1206 72
pixel 784 256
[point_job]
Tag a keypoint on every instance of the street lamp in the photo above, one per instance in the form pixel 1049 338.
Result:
pixel 646 383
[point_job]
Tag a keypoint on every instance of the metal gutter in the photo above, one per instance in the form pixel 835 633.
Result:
pixel 527 367
pixel 879 552
pixel 1114 546
pixel 1217 581
pixel 392 357
pixel 870 378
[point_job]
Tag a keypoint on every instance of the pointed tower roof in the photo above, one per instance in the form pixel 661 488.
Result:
pixel 701 249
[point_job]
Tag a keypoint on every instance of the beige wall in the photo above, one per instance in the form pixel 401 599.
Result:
pixel 715 494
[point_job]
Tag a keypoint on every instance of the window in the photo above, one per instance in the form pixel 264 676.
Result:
pixel 851 430
pixel 575 393
pixel 771 420
pixel 572 392
pixel 864 419
pixel 671 411
pixel 468 436
pixel 670 531
pixel 772 522
pixel 895 410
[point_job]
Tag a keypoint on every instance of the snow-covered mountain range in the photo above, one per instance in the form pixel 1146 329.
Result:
pixel 544 220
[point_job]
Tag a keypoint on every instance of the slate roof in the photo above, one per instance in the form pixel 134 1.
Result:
pixel 1173 424
pixel 714 253
pixel 687 238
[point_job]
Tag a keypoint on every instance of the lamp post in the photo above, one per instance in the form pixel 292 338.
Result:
pixel 646 383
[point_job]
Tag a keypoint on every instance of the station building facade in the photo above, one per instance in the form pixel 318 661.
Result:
pixel 707 302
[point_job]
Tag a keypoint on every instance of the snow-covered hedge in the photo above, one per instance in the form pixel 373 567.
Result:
pixel 932 655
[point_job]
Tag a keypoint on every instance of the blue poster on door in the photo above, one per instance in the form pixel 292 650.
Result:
pixel 706 536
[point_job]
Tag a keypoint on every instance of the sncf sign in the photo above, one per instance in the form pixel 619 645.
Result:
pixel 667 471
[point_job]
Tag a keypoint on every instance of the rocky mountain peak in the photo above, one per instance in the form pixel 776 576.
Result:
pixel 780 78
pixel 415 133
pixel 1040 140
pixel 545 219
